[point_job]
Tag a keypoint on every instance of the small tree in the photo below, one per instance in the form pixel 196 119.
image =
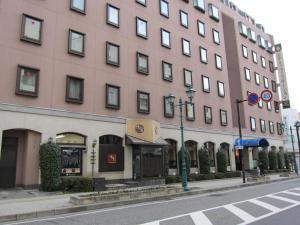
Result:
pixel 50 166
pixel 263 159
pixel 221 162
pixel 280 160
pixel 204 161
pixel 287 161
pixel 273 160
pixel 187 161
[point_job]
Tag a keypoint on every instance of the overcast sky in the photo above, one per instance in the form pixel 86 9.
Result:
pixel 281 19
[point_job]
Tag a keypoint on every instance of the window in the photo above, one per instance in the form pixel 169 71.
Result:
pixel 188 78
pixel 205 84
pixel 172 153
pixel 199 4
pixel 216 36
pixel 142 2
pixel 167 71
pixel 213 12
pixel 208 115
pixel 271 127
pixel 245 51
pixel 191 148
pixel 190 111
pixel 266 82
pixel 74 90
pixel 261 42
pixel 223 117
pixel 186 47
pixel 203 55
pixel 142 63
pixel 218 59
pixel 269 106
pixel 263 61
pixel 184 20
pixel 257 79
pixel 112 15
pixel 211 153
pixel 247 74
pixel 27 81
pixel 221 89
pixel 274 86
pixel 201 28
pixel 165 38
pixel 76 43
pixel 254 57
pixel 243 29
pixel 168 108
pixel 112 96
pixel 262 126
pixel 260 103
pixel 252 35
pixel 276 106
pixel 271 65
pixel 141 28
pixel 252 123
pixel 269 47
pixel 164 8
pixel 78 6
pixel 31 29
pixel 143 102
pixel 112 54
pixel 279 129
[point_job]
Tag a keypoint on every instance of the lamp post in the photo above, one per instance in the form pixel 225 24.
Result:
pixel 93 156
pixel 171 97
pixel 294 154
pixel 238 102
pixel 297 125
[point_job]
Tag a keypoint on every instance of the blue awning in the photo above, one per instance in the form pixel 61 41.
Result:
pixel 255 142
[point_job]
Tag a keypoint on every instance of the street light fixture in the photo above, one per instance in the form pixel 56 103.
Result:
pixel 171 99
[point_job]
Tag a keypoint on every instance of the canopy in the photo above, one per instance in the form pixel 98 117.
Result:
pixel 255 142
pixel 136 141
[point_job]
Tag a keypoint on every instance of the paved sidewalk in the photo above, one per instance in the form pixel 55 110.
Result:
pixel 47 204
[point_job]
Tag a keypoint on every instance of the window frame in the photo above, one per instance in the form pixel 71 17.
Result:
pixel 185 78
pixel 218 86
pixel 274 86
pixel 137 28
pixel 216 62
pixel 163 71
pixel 137 63
pixel 27 39
pixel 74 52
pixel 206 120
pixel 218 41
pixel 211 8
pixel 266 82
pixel 160 8
pixel 73 100
pixel 83 12
pixel 107 104
pixel 196 6
pixel 245 51
pixel 263 62
pixel 254 59
pixel 257 78
pixel 241 29
pixel 271 66
pixel 224 124
pixel 206 54
pixel 141 3
pixel 269 106
pixel 245 72
pixel 263 128
pixel 279 129
pixel 203 88
pixel 181 12
pixel 162 38
pixel 18 91
pixel 254 120
pixel 117 64
pixel 271 125
pixel 167 115
pixel 107 15
pixel 202 34
pixel 139 110
pixel 183 50
pixel 186 111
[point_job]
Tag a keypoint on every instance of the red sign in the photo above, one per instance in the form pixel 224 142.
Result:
pixel 266 95
pixel 253 98
pixel 111 158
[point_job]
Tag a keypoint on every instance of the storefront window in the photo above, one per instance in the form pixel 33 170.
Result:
pixel 172 153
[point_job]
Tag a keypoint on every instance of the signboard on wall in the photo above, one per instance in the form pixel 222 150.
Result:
pixel 144 129
pixel 282 77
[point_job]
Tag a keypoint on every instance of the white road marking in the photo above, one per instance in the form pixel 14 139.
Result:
pixel 200 219
pixel 152 223
pixel 284 199
pixel 291 193
pixel 264 205
pixel 240 213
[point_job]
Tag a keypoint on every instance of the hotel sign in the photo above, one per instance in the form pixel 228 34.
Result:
pixel 144 129
pixel 282 77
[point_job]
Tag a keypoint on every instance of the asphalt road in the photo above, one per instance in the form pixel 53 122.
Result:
pixel 270 204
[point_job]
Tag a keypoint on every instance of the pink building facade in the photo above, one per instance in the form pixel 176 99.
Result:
pixel 77 71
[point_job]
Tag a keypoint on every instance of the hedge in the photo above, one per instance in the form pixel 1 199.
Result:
pixel 280 160
pixel 263 159
pixel 273 160
pixel 287 161
pixel 76 184
pixel 221 162
pixel 204 161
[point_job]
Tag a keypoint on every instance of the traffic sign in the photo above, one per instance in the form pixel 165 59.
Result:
pixel 266 95
pixel 253 98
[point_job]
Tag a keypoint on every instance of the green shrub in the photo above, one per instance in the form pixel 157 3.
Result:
pixel 263 159
pixel 50 166
pixel 76 184
pixel 280 160
pixel 232 174
pixel 187 161
pixel 220 175
pixel 204 161
pixel 171 179
pixel 221 162
pixel 287 162
pixel 208 176
pixel 273 160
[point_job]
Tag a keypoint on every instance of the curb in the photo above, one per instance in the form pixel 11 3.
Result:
pixel 74 209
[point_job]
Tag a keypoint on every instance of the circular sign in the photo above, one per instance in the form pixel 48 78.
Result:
pixel 139 128
pixel 253 98
pixel 266 95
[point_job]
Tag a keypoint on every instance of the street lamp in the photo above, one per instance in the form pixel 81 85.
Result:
pixel 171 99
pixel 297 125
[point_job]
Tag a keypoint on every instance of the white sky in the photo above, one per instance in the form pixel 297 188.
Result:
pixel 280 19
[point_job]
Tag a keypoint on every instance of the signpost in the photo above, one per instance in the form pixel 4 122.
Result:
pixel 253 98
pixel 266 95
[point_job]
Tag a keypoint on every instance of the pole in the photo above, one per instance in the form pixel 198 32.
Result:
pixel 183 152
pixel 297 129
pixel 294 154
pixel 240 135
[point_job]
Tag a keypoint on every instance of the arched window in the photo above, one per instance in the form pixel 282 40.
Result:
pixel 172 153
pixel 224 147
pixel 210 146
pixel 111 153
pixel 191 147
pixel 70 139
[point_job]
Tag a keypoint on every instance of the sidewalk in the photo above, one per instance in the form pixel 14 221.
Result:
pixel 24 204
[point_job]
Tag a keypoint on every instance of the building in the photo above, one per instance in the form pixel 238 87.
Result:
pixel 78 71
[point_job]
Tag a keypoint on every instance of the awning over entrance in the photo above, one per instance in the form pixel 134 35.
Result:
pixel 136 141
pixel 255 142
